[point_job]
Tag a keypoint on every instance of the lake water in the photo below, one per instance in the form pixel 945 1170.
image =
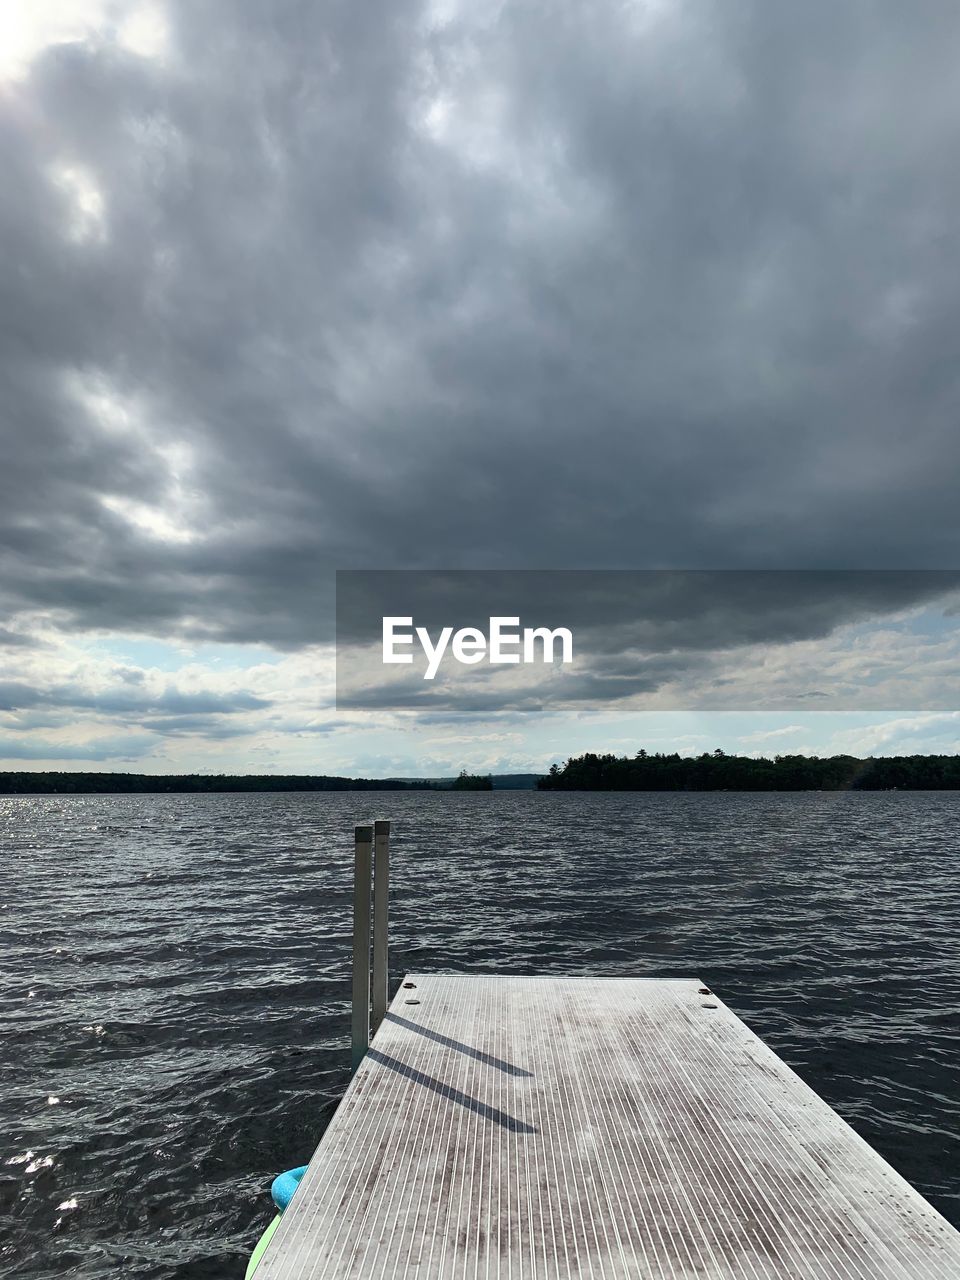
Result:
pixel 174 978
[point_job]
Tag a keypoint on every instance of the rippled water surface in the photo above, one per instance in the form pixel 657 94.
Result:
pixel 174 978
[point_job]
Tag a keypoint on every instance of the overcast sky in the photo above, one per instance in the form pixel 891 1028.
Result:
pixel 296 287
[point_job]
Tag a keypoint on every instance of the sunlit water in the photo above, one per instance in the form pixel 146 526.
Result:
pixel 174 977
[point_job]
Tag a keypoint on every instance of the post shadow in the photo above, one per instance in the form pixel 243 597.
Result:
pixel 447 1091
pixel 487 1058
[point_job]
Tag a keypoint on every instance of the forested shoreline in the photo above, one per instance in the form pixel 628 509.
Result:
pixel 718 771
pixel 659 771
pixel 138 783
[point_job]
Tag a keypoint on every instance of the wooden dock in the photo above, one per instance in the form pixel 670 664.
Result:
pixel 544 1128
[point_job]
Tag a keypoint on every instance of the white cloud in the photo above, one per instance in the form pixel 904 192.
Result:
pixel 145 31
pixel 153 521
pixel 771 735
pixel 175 515
pixel 29 27
pixel 86 207
pixel 935 734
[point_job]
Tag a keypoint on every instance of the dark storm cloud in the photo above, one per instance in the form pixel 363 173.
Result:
pixel 653 292
pixel 636 632
pixel 657 610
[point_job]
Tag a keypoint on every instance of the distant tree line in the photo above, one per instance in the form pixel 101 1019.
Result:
pixel 717 771
pixel 121 783
pixel 471 782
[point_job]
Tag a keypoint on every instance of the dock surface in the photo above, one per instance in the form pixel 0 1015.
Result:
pixel 542 1128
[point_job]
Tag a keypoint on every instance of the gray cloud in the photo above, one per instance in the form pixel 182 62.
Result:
pixel 103 748
pixel 15 695
pixel 634 633
pixel 16 640
pixel 651 609
pixel 212 727
pixel 679 295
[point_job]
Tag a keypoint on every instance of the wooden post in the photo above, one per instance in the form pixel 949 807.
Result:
pixel 363 843
pixel 381 892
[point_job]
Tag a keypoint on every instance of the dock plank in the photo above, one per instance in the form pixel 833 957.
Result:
pixel 541 1128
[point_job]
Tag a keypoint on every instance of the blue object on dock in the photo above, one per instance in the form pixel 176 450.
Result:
pixel 282 1189
pixel 285 1185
